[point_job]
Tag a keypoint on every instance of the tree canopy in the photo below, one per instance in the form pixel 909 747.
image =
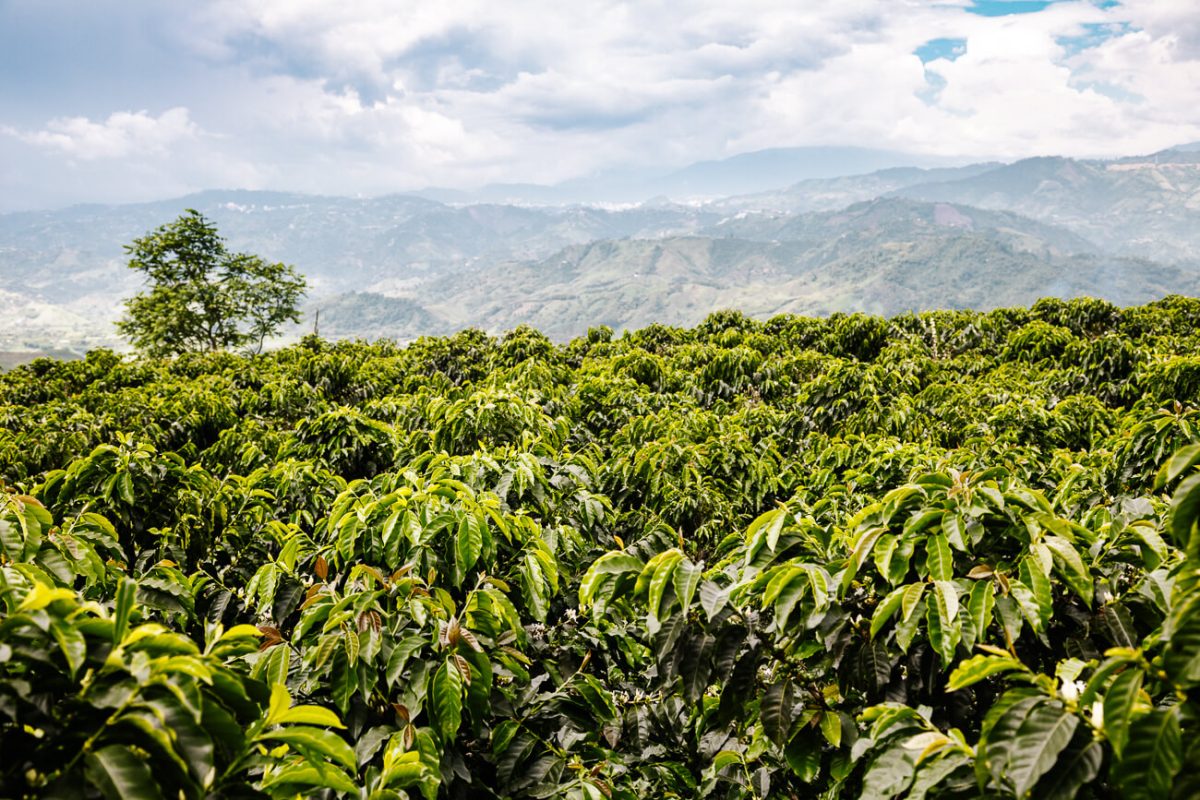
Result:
pixel 202 297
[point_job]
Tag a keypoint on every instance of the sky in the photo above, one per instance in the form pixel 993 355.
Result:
pixel 129 100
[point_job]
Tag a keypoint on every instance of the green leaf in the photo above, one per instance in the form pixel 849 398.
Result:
pixel 725 758
pixel 125 487
pixel 775 711
pixel 939 559
pixel 941 619
pixel 889 775
pixel 1183 460
pixel 803 755
pixel 1077 765
pixel 947 598
pixel 347 535
pixel 292 779
pixel 123 609
pixel 1153 756
pixel 502 736
pixel 863 547
pixel 273 665
pixel 1043 735
pixel 1039 584
pixel 953 526
pixel 318 741
pixel 343 677
pixel 309 715
pixel 597 698
pixel 1119 702
pixel 884 611
pixel 775 527
pixel 1027 602
pixel 912 596
pixel 906 631
pixel 119 774
pixel 468 543
pixel 713 598
pixel 401 653
pixel 445 699
pixel 71 642
pixel 663 573
pixel 12 540
pixel 613 563
pixel 979 606
pixel 1116 621
pixel 1185 509
pixel 998 733
pixel 1182 656
pixel 280 700
pixel 875 665
pixel 42 595
pixel 885 548
pixel 533 581
pixel 191 740
pixel 831 728
pixel 977 668
pixel 1070 566
pixel 687 579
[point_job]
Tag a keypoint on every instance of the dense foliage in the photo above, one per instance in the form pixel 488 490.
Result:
pixel 943 555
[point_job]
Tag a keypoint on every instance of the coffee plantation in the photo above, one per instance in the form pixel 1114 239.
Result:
pixel 944 555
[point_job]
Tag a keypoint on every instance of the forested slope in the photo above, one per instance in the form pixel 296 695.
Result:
pixel 943 555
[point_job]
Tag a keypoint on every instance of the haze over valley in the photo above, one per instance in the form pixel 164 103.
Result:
pixel 888 241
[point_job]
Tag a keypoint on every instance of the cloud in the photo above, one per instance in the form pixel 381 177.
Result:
pixel 373 96
pixel 123 134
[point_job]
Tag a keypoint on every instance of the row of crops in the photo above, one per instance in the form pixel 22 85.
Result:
pixel 946 555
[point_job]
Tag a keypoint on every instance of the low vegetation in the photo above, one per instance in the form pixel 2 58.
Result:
pixel 946 555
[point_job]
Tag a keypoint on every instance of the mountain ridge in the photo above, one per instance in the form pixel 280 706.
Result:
pixel 850 242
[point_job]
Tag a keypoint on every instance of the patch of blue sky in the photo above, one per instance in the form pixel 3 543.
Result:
pixel 1002 8
pixel 941 48
pixel 933 87
pixel 1118 93
pixel 1094 33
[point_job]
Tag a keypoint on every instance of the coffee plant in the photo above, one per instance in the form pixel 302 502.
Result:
pixel 945 555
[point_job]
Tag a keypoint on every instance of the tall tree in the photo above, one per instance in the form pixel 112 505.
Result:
pixel 202 297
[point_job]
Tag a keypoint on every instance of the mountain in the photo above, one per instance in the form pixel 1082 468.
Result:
pixel 744 173
pixel 73 259
pixel 768 169
pixel 886 241
pixel 893 220
pixel 830 194
pixel 886 256
pixel 1145 207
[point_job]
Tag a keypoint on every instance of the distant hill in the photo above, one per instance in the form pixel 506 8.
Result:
pixel 73 260
pixel 886 257
pixel 905 237
pixel 830 194
pixel 744 173
pixel 1147 207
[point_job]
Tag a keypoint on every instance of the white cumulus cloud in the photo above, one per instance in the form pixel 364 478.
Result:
pixel 122 134
pixel 374 96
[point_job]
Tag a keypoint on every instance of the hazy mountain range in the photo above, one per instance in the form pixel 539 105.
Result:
pixel 765 232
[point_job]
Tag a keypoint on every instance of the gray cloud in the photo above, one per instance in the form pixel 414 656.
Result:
pixel 118 100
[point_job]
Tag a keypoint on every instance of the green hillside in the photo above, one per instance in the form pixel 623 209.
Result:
pixel 886 257
pixel 1147 206
pixel 949 555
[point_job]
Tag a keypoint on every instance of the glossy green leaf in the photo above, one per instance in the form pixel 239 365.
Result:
pixel 1152 756
pixel 445 699
pixel 120 775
